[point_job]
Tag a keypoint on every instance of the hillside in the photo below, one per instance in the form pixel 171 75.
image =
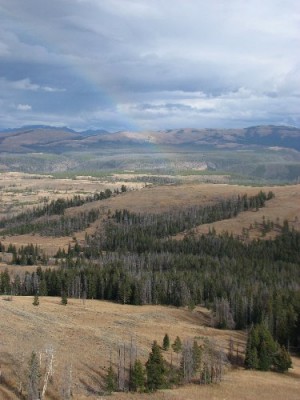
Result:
pixel 262 154
pixel 58 140
pixel 31 191
pixel 84 334
pixel 154 258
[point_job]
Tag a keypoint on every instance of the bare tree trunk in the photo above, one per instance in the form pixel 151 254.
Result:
pixel 49 370
pixel 121 376
pixel 66 391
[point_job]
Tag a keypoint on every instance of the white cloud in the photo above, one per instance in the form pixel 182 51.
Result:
pixel 26 84
pixel 24 107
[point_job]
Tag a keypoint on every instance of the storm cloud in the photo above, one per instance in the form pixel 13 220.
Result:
pixel 139 64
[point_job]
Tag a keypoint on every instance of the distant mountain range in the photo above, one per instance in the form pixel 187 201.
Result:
pixel 62 139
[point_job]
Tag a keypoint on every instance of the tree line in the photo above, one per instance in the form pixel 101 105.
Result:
pixel 135 260
pixel 137 232
pixel 242 283
pixel 23 222
pixel 64 225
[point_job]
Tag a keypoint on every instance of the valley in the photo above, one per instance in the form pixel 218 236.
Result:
pixel 142 242
pixel 260 154
pixel 149 200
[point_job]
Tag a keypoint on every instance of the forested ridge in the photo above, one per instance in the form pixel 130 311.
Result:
pixel 50 219
pixel 135 260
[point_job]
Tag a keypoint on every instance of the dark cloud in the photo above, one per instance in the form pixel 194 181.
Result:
pixel 136 64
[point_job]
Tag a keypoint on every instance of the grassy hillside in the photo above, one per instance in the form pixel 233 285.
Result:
pixel 156 199
pixel 84 334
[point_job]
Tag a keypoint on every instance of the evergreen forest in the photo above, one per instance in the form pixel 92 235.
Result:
pixel 135 259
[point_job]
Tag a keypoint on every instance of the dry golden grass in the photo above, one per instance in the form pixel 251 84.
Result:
pixel 21 269
pixel 49 245
pixel 19 191
pixel 284 206
pixel 237 385
pixel 85 334
pixel 156 199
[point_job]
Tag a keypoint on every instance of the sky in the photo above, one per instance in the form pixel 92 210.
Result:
pixel 149 64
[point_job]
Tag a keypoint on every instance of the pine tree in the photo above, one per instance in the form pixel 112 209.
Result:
pixel 266 348
pixel 263 352
pixel 264 357
pixel 177 345
pixel 251 358
pixel 137 377
pixel 64 299
pixel 36 300
pixel 155 368
pixel 197 353
pixel 43 288
pixel 166 342
pixel 110 380
pixel 282 360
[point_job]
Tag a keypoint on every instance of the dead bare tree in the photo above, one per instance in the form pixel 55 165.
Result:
pixel 223 316
pixel 127 354
pixel 213 363
pixel 33 387
pixel 121 368
pixel 186 364
pixel 67 380
pixel 48 369
pixel 19 370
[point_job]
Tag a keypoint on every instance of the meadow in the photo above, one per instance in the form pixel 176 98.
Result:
pixel 87 333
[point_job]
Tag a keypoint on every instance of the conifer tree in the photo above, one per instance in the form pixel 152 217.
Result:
pixel 64 299
pixel 155 368
pixel 264 356
pixel 251 358
pixel 263 352
pixel 177 345
pixel 197 353
pixel 36 300
pixel 137 377
pixel 111 380
pixel 282 360
pixel 166 342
